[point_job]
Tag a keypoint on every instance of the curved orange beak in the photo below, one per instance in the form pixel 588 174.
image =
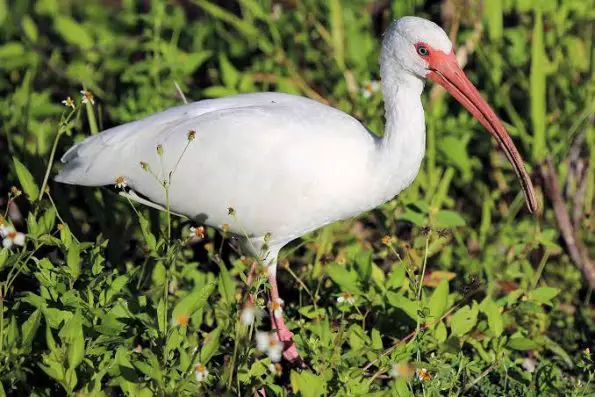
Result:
pixel 445 70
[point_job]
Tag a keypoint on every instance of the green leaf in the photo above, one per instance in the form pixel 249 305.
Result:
pixel 346 279
pixel 146 231
pixel 558 350
pixel 537 83
pixel 3 256
pixel 218 91
pixel 152 371
pixel 53 369
pixel 455 150
pixel 463 320
pixel 226 285
pixel 337 32
pixel 220 13
pixel 440 332
pixel 446 218
pixel 363 261
pixel 193 301
pixel 159 274
pixel 3 11
pixel 72 335
pixel 70 379
pixel 256 9
pixel 193 61
pixel 49 338
pixel 399 301
pixel 73 260
pixel 308 384
pixel 29 28
pixel 11 50
pixel 377 340
pixel 438 301
pixel 47 221
pixel 397 276
pixel 493 13
pixel 73 32
pixel 229 73
pixel 210 345
pixel 115 287
pixel 29 328
pixel 544 295
pixel 26 180
pixel 161 322
pixel 522 343
pixel 416 218
pixel 65 235
pixel 492 311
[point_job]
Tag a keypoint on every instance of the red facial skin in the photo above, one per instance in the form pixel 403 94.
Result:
pixel 445 70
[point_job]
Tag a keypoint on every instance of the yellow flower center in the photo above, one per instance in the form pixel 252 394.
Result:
pixel 200 368
pixel 182 320
pixel 120 180
pixel 199 232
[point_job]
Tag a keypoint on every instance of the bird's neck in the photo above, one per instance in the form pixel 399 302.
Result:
pixel 401 150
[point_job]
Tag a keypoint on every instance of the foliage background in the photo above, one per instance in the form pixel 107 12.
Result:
pixel 91 305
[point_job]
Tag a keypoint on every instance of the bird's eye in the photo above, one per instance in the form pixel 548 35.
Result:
pixel 423 51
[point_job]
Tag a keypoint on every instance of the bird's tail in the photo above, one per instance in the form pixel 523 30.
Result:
pixel 88 163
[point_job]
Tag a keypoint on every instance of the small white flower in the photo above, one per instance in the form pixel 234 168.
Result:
pixel 369 88
pixel 269 344
pixel 121 182
pixel 400 370
pixel 276 307
pixel 346 297
pixel 262 341
pixel 423 375
pixel 180 320
pixel 200 372
pixel 197 232
pixel 173 286
pixel 248 314
pixel 277 11
pixel 87 97
pixel 11 237
pixel 275 349
pixel 529 364
pixel 276 369
pixel 69 102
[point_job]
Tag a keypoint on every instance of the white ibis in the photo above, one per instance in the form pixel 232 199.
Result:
pixel 288 165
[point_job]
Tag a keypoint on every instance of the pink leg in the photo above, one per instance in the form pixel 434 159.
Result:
pixel 251 274
pixel 290 352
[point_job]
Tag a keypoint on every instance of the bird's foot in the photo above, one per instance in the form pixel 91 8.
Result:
pixel 290 352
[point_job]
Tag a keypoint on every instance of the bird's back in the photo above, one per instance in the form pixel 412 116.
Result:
pixel 284 163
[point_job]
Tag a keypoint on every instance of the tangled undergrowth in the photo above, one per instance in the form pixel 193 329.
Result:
pixel 451 288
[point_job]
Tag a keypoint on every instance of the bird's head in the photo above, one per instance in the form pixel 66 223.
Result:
pixel 421 48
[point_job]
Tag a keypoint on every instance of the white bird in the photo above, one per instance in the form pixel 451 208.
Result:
pixel 288 165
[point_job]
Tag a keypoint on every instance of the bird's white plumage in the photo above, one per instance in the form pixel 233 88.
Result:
pixel 272 157
pixel 285 164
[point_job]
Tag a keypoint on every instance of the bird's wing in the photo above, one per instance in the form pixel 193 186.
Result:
pixel 91 161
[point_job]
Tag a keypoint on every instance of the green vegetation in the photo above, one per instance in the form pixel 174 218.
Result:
pixel 457 289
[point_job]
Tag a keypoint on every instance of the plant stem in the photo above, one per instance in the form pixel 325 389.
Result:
pixel 233 359
pixel 49 167
pixel 423 270
pixel 168 212
pixel 2 294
